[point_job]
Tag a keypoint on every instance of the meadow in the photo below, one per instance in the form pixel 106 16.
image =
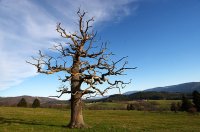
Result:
pixel 13 119
pixel 162 105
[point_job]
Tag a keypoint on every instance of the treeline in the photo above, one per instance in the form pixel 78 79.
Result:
pixel 146 96
pixel 187 104
pixel 191 105
pixel 155 96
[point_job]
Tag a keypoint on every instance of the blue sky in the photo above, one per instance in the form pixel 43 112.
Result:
pixel 161 38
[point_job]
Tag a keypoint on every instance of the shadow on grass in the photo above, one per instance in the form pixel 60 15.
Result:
pixel 9 121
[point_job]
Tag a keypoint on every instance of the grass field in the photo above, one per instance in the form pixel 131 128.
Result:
pixel 162 104
pixel 46 120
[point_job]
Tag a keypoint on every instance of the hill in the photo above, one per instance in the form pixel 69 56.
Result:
pixel 13 101
pixel 149 95
pixel 130 92
pixel 167 92
pixel 153 95
pixel 180 88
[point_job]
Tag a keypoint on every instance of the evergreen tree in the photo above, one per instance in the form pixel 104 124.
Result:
pixel 196 99
pixel 186 104
pixel 36 103
pixel 22 103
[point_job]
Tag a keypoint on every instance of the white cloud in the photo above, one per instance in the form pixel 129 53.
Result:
pixel 103 10
pixel 27 26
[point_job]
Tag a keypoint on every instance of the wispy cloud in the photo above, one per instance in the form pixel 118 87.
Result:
pixel 27 26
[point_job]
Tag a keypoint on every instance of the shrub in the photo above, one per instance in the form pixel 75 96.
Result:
pixel 192 110
pixel 128 107
pixel 36 103
pixel 22 103
pixel 132 107
pixel 143 105
pixel 179 106
pixel 174 107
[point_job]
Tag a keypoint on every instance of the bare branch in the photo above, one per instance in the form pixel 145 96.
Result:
pixel 62 91
pixel 64 51
pixel 81 15
pixel 67 78
pixel 63 34
pixel 88 24
pixel 91 68
pixel 44 61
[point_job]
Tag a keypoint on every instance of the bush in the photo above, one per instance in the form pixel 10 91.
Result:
pixel 130 107
pixel 22 103
pixel 192 110
pixel 36 103
pixel 143 106
pixel 175 106
pixel 179 106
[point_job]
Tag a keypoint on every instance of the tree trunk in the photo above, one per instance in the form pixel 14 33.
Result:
pixel 76 95
pixel 76 112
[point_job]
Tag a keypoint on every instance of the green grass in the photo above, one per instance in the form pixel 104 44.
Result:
pixel 54 120
pixel 162 105
pixel 105 105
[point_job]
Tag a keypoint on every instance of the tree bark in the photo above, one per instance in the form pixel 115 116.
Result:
pixel 76 112
pixel 76 95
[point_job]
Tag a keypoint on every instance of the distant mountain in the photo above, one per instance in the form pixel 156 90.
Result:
pixel 44 101
pixel 180 88
pixel 130 92
pixel 145 95
pixel 168 92
pixel 116 97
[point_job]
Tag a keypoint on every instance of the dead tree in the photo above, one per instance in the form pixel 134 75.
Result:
pixel 89 64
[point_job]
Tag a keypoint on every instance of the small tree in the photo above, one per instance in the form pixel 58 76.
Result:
pixel 22 103
pixel 186 104
pixel 36 103
pixel 196 99
pixel 84 65
pixel 192 110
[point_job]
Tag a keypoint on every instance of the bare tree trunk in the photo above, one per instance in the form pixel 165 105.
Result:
pixel 76 95
pixel 76 112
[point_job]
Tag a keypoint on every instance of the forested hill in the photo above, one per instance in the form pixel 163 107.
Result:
pixel 180 88
pixel 168 92
pixel 145 96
